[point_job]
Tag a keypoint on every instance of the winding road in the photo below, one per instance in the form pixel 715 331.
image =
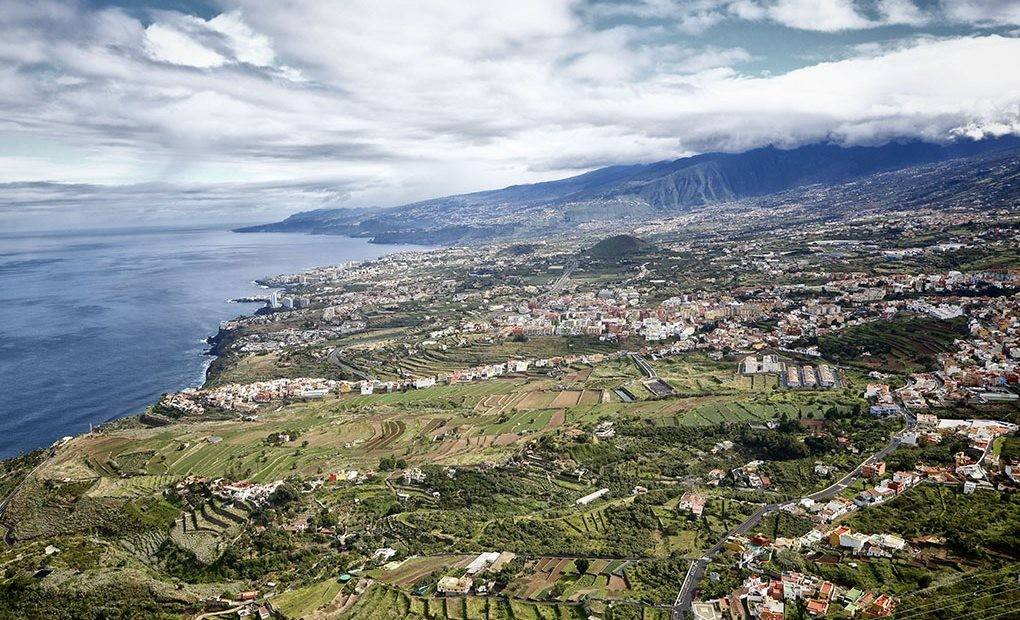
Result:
pixel 685 597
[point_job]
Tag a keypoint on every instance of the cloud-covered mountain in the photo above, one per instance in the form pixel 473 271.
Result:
pixel 636 192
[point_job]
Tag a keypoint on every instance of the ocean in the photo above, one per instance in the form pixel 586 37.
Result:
pixel 96 325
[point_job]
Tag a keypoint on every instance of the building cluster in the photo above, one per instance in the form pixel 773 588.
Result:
pixel 242 492
pixel 750 476
pixel 792 376
pixel 245 397
pixel 768 598
pixel 472 579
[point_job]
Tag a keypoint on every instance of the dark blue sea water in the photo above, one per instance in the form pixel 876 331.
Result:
pixel 96 325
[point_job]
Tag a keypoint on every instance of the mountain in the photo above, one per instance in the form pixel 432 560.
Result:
pixel 632 192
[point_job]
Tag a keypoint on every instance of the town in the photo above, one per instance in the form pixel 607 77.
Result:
pixel 694 418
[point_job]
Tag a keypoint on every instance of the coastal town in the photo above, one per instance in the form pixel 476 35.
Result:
pixel 689 419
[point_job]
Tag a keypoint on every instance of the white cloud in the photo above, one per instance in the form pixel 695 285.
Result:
pixel 903 12
pixel 167 44
pixel 404 100
pixel 247 45
pixel 821 15
pixel 983 12
pixel 696 16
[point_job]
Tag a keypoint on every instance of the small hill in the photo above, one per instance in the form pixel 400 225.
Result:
pixel 617 246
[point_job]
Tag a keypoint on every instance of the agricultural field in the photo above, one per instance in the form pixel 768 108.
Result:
pixel 502 464
pixel 302 602
pixel 902 345
pixel 412 570
pixel 380 601
pixel 434 360
pixel 567 579
pixel 698 375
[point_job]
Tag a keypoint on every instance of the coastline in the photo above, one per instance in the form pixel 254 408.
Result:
pixel 212 346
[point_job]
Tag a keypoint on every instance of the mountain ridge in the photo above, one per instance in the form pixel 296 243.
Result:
pixel 635 191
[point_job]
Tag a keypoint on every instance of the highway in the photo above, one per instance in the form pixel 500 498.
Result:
pixel 560 282
pixel 644 366
pixel 685 597
pixel 334 358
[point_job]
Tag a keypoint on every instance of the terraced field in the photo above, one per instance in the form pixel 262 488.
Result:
pixel 380 601
pixel 435 361
pixel 390 432
pixel 589 524
pixel 413 569
pixel 133 487
pixel 302 602
pixel 601 578
pixel 145 545
pixel 901 345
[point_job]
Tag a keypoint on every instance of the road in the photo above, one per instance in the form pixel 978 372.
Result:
pixel 644 366
pixel 696 572
pixel 560 282
pixel 837 487
pixel 334 358
pixel 685 597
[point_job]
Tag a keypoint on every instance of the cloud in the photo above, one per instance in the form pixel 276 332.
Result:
pixel 169 45
pixel 697 16
pixel 38 205
pixel 982 12
pixel 821 15
pixel 401 100
pixel 904 12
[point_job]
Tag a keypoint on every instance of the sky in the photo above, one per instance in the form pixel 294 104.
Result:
pixel 135 112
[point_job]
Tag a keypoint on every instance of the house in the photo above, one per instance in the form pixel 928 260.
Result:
pixel 881 411
pixel 817 607
pixel 693 502
pixel 854 541
pixel 454 585
pixel 881 607
pixel 873 470
pixel 705 611
pixel 889 541
pixel 836 533
pixel 413 475
pixel 424 382
pixel 519 365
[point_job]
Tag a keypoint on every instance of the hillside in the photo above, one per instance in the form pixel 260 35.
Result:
pixel 617 245
pixel 632 193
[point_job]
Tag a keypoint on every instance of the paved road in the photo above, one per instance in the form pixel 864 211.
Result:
pixel 837 487
pixel 334 358
pixel 696 572
pixel 561 281
pixel 644 366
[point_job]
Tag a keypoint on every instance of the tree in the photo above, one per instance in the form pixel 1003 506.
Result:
pixel 283 495
pixel 581 564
